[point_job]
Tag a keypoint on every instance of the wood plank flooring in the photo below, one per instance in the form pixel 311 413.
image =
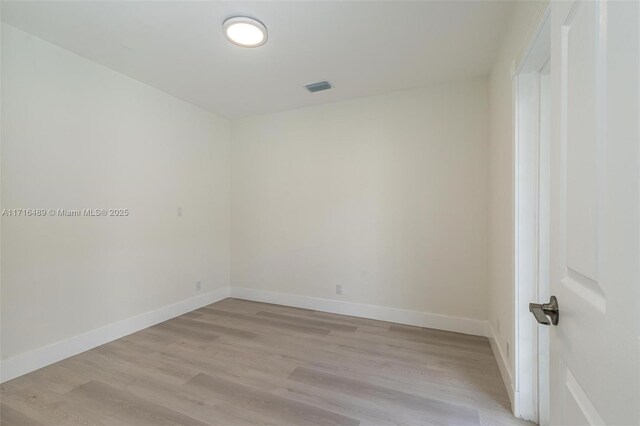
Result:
pixel 243 363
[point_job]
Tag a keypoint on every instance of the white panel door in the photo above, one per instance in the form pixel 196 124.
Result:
pixel 595 213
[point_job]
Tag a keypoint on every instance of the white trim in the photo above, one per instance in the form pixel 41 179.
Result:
pixel 41 357
pixel 527 193
pixel 401 316
pixel 503 364
pixel 530 167
pixel 30 361
pixel 535 29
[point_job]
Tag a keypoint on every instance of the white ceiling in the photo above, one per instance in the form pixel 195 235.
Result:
pixel 362 48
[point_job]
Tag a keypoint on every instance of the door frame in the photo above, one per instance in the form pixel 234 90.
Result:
pixel 531 174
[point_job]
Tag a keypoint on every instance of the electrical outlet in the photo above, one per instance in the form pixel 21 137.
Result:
pixel 179 211
pixel 338 288
pixel 198 285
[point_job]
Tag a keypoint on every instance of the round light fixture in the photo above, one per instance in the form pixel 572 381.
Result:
pixel 245 32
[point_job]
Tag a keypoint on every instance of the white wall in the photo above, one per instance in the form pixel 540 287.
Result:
pixel 386 196
pixel 78 135
pixel 522 23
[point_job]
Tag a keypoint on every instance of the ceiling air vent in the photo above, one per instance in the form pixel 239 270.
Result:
pixel 317 87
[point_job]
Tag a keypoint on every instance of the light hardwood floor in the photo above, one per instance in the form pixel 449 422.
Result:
pixel 237 362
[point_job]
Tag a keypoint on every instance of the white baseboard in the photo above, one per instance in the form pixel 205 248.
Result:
pixel 503 365
pixel 30 361
pixel 401 316
pixel 24 363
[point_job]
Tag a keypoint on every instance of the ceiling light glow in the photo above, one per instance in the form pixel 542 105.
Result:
pixel 244 31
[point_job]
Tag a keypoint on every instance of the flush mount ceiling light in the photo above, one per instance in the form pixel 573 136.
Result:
pixel 245 32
